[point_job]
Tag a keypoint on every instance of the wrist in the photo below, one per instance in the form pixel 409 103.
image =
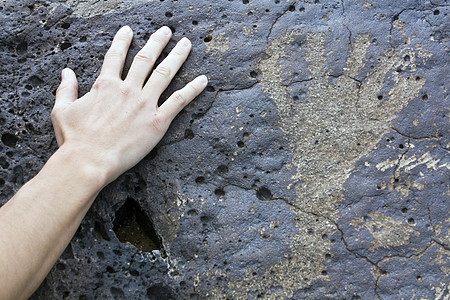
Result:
pixel 97 171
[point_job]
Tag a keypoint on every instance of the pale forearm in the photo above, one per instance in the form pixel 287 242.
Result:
pixel 39 221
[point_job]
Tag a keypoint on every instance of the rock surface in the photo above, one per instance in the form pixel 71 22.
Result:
pixel 315 165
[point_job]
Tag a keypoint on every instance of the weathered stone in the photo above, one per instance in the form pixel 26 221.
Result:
pixel 315 165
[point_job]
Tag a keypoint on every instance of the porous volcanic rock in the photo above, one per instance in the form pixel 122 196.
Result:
pixel 314 165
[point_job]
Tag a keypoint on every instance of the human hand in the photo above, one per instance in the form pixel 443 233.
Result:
pixel 118 122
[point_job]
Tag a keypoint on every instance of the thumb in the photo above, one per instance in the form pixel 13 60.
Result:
pixel 67 91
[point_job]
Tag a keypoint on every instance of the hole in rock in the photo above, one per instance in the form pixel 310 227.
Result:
pixel 101 231
pixel 222 169
pixel 117 292
pixel 200 180
pixel 9 139
pixel 160 292
pixel 22 47
pixel 4 165
pixel 263 193
pixel 152 154
pixel 65 45
pixel 100 255
pixel 132 225
pixel 207 39
pixel 134 272
pixel 219 193
pixel 60 266
pixel 35 82
pixel 192 212
pixel 188 134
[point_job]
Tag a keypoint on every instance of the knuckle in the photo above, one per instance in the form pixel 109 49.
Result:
pixel 141 102
pixel 158 122
pixel 114 53
pixel 101 83
pixel 180 99
pixel 163 71
pixel 193 88
pixel 54 115
pixel 145 56
pixel 126 90
pixel 179 51
pixel 60 88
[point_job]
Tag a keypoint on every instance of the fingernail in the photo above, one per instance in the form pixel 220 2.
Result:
pixel 184 42
pixel 165 30
pixel 63 74
pixel 202 79
pixel 126 29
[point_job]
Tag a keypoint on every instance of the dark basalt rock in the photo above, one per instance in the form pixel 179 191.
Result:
pixel 315 164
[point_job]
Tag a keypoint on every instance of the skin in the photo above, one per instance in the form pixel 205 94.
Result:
pixel 100 136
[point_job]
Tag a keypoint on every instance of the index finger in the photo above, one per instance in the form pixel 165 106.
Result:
pixel 115 57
